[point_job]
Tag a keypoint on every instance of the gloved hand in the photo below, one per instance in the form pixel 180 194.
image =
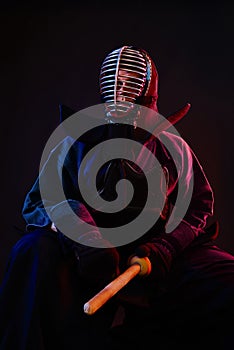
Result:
pixel 160 253
pixel 97 266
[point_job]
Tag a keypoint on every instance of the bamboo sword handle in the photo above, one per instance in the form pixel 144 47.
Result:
pixel 139 266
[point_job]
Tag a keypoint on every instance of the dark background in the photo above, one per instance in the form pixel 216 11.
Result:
pixel 51 54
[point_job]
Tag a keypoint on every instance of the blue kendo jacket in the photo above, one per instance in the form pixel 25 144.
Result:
pixel 183 174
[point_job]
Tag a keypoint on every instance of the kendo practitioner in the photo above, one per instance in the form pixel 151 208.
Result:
pixel 184 299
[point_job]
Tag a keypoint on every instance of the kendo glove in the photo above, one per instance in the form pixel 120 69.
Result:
pixel 160 252
pixel 98 260
pixel 97 266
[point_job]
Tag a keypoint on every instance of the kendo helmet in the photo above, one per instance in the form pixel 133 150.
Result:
pixel 128 78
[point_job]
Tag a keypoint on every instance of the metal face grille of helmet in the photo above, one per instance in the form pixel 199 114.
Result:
pixel 125 76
